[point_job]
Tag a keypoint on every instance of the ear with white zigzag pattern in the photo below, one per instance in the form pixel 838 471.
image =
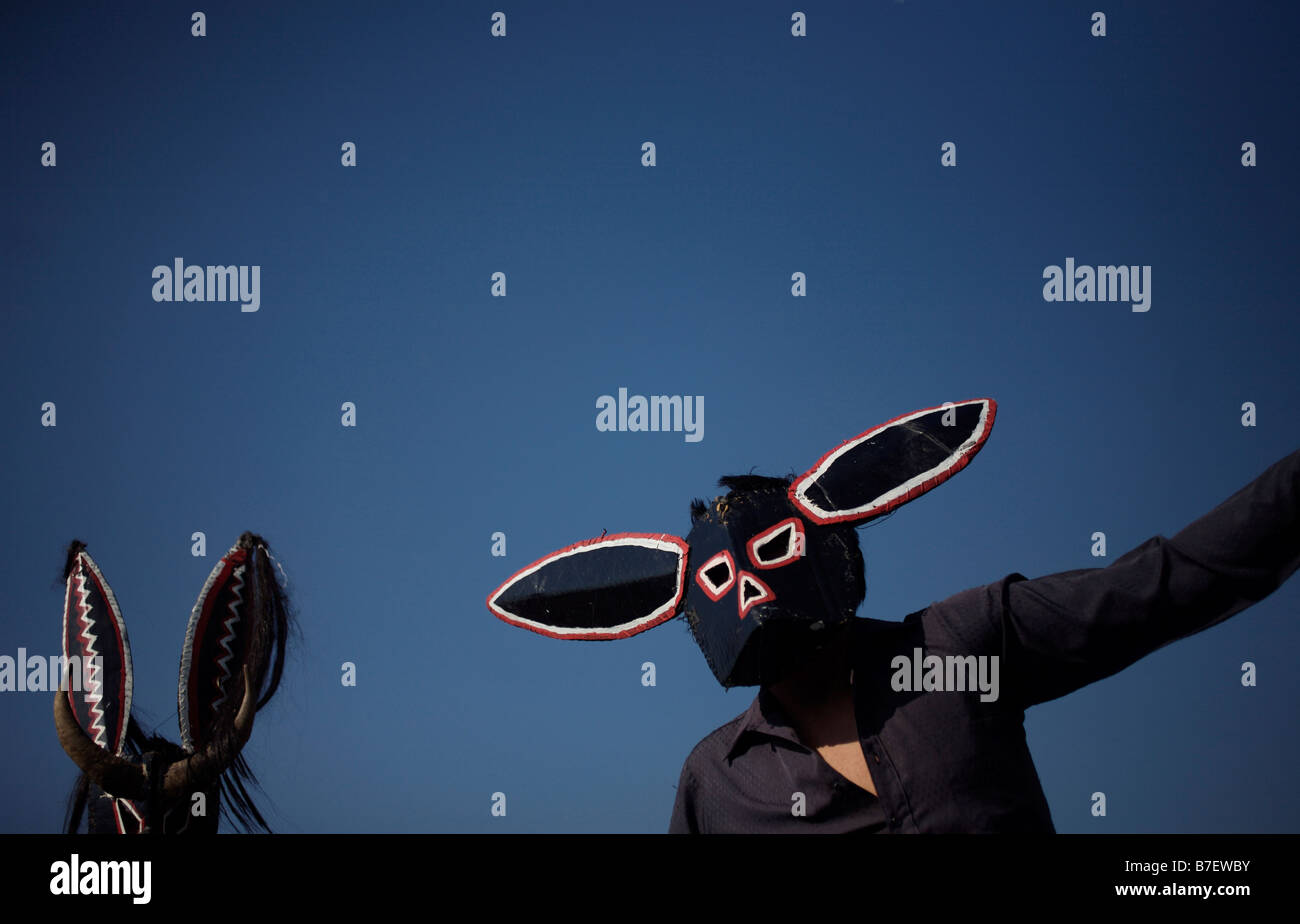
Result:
pixel 97 653
pixel 222 633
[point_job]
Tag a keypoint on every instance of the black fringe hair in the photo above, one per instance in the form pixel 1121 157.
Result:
pixel 742 484
pixel 275 623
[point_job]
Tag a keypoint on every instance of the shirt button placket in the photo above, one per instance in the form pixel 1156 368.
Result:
pixel 874 756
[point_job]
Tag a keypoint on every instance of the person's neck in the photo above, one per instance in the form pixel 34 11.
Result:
pixel 822 679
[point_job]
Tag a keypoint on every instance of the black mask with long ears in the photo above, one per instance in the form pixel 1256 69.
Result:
pixel 767 569
pixel 231 666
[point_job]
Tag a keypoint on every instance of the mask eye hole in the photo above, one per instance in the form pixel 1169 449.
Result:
pixel 752 592
pixel 778 545
pixel 716 575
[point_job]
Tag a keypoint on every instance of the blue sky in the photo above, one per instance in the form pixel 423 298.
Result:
pixel 476 414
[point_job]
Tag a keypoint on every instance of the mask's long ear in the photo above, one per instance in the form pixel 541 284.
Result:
pixel 95 635
pixel 891 464
pixel 612 587
pixel 239 620
pixel 231 667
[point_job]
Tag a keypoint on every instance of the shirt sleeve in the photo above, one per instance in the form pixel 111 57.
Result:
pixel 1061 632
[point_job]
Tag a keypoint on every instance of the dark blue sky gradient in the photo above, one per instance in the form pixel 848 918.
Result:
pixel 477 414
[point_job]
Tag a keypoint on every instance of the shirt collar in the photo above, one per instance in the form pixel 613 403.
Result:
pixel 765 715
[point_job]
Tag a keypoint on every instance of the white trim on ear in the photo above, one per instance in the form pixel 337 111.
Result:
pixel 187 650
pixel 659 542
pixel 904 491
pixel 99 733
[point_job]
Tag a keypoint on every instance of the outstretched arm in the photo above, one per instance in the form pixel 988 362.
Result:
pixel 1060 632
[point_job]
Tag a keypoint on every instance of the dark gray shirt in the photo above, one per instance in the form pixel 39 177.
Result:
pixel 946 761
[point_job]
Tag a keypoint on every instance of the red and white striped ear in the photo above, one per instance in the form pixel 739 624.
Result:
pixel 217 641
pixel 896 462
pixel 612 587
pixel 95 635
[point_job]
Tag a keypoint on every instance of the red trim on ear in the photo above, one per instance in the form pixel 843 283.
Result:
pixel 113 621
pixel 797 541
pixel 634 627
pixel 124 717
pixel 195 646
pixel 703 581
pixel 957 462
pixel 763 597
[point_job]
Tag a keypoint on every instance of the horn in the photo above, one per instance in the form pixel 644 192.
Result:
pixel 111 773
pixel 201 768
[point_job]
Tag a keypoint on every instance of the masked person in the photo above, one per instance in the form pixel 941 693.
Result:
pixel 864 725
